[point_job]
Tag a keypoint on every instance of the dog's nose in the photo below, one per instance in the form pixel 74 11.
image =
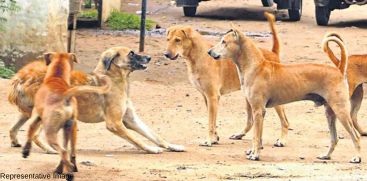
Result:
pixel 167 54
pixel 210 52
pixel 149 58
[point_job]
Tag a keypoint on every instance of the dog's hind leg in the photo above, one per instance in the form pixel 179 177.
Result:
pixel 248 127
pixel 133 122
pixel 285 125
pixel 342 112
pixel 331 118
pixel 356 100
pixel 14 130
pixel 36 122
pixel 212 106
pixel 41 144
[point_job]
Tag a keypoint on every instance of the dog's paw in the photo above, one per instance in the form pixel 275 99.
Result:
pixel 69 176
pixel 25 153
pixel 176 148
pixel 206 143
pixel 356 159
pixel 279 143
pixel 237 136
pixel 15 144
pixel 253 157
pixel 323 157
pixel 52 152
pixel 154 150
pixel 249 152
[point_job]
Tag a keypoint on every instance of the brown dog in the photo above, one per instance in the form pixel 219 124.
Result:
pixel 267 84
pixel 114 108
pixel 356 74
pixel 55 107
pixel 213 79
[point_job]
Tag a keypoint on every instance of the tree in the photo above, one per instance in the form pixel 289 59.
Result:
pixel 7 6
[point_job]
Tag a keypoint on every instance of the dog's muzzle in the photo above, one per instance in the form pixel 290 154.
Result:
pixel 214 55
pixel 141 63
pixel 169 55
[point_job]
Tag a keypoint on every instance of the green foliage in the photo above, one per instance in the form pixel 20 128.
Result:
pixel 7 6
pixel 122 21
pixel 88 4
pixel 6 72
pixel 91 14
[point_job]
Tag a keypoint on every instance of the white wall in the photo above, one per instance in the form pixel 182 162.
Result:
pixel 39 26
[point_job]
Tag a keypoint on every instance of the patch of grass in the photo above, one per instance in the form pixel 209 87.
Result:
pixel 122 21
pixel 6 72
pixel 90 14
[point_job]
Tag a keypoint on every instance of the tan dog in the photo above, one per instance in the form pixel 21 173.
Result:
pixel 215 78
pixel 114 108
pixel 356 74
pixel 56 108
pixel 267 84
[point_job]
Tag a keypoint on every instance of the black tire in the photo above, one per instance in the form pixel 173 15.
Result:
pixel 190 11
pixel 295 14
pixel 322 15
pixel 267 3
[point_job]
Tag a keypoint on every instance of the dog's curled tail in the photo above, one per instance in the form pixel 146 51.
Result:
pixel 327 49
pixel 78 90
pixel 342 64
pixel 276 45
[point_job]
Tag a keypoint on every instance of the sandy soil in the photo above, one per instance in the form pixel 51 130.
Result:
pixel 168 103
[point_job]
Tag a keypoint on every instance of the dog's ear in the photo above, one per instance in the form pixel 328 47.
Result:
pixel 235 31
pixel 187 31
pixel 73 57
pixel 108 59
pixel 48 57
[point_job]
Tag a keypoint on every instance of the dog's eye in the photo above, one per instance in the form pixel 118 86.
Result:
pixel 177 40
pixel 131 53
pixel 224 42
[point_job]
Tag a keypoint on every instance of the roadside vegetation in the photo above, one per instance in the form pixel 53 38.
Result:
pixel 122 21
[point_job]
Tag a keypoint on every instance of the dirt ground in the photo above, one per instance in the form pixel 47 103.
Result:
pixel 167 102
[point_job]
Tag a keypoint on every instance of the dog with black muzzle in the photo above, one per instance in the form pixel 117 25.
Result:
pixel 114 108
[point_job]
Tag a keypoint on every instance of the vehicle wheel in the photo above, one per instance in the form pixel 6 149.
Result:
pixel 267 3
pixel 322 15
pixel 189 11
pixel 295 14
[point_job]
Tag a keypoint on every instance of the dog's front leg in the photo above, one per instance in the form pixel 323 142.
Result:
pixel 212 106
pixel 118 128
pixel 133 122
pixel 248 127
pixel 258 113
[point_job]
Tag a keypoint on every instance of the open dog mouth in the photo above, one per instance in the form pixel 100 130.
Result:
pixel 139 65
pixel 174 58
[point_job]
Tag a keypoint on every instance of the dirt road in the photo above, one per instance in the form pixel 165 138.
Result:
pixel 167 102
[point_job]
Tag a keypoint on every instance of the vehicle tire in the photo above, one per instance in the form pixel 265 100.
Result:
pixel 267 3
pixel 295 14
pixel 322 15
pixel 190 11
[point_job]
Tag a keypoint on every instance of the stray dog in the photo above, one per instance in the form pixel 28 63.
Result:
pixel 55 107
pixel 356 74
pixel 267 84
pixel 114 108
pixel 213 79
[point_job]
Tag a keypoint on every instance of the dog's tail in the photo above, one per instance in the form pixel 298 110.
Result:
pixel 342 64
pixel 276 45
pixel 327 49
pixel 78 90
